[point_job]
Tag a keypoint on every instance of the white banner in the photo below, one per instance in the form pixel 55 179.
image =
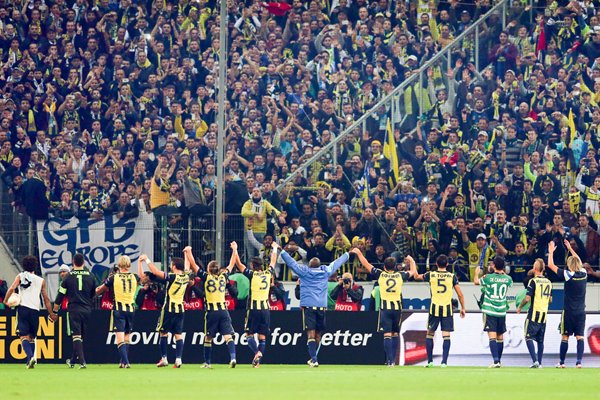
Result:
pixel 417 296
pixel 470 344
pixel 101 241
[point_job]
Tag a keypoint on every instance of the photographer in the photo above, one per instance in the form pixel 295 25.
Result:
pixel 347 294
pixel 194 293
pixel 151 295
pixel 277 295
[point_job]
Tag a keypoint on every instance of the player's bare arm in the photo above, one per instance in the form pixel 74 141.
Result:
pixel 152 267
pixel 238 262
pixel 11 289
pixel 53 317
pixel 526 300
pixel 551 250
pixel 461 300
pixel 362 259
pixel 189 257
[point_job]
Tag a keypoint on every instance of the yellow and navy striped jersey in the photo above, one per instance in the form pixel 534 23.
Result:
pixel 540 291
pixel 441 284
pixel 176 285
pixel 390 288
pixel 124 285
pixel 214 288
pixel 260 284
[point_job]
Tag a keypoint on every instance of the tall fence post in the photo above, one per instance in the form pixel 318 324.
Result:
pixel 504 10
pixel 477 47
pixel 164 243
pixel 30 233
pixel 421 110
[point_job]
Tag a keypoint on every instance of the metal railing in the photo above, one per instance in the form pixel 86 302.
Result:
pixel 472 44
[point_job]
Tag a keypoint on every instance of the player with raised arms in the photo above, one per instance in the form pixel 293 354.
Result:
pixel 390 282
pixel 313 297
pixel 172 313
pixel 216 318
pixel 258 316
pixel 440 311
pixel 495 304
pixel 539 293
pixel 573 316
pixel 124 284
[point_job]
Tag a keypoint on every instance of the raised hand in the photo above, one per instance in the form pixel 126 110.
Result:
pixel 143 258
pixel 552 247
pixel 234 246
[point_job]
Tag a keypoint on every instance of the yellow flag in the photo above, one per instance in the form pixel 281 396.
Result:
pixel 390 152
pixel 572 126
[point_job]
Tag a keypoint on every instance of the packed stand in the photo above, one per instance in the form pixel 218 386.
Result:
pixel 109 109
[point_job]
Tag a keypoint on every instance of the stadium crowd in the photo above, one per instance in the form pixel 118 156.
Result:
pixel 109 108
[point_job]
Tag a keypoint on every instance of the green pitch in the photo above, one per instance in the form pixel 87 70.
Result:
pixel 330 382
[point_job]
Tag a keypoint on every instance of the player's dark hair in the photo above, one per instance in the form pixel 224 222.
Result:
pixel 389 263
pixel 499 263
pixel 78 260
pixel 256 263
pixel 442 261
pixel 178 263
pixel 213 267
pixel 29 263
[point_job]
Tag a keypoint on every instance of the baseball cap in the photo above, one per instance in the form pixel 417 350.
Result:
pixel 484 133
pixel 481 236
pixel 412 57
pixel 64 268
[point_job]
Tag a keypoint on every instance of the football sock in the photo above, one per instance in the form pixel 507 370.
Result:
pixel 261 346
pixel 127 344
pixel 395 342
pixel 580 345
pixel 500 348
pixel 163 346
pixel 494 350
pixel 387 347
pixel 564 346
pixel 27 349
pixel 446 350
pixel 231 348
pixel 207 352
pixel 78 346
pixel 531 348
pixel 429 347
pixel 122 347
pixel 312 349
pixel 540 352
pixel 252 344
pixel 179 348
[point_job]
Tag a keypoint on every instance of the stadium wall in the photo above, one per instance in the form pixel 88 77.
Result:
pixel 351 338
pixel 417 296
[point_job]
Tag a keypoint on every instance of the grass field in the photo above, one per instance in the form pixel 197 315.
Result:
pixel 334 382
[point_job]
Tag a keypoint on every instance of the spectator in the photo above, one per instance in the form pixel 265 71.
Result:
pixel 347 294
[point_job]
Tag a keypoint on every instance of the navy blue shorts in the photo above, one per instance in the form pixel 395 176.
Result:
pixel 77 321
pixel 389 321
pixel 258 321
pixel 122 321
pixel 28 321
pixel 572 324
pixel 170 322
pixel 445 323
pixel 217 321
pixel 494 324
pixel 313 319
pixel 534 331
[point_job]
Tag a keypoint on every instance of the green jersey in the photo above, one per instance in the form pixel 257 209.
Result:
pixel 495 287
